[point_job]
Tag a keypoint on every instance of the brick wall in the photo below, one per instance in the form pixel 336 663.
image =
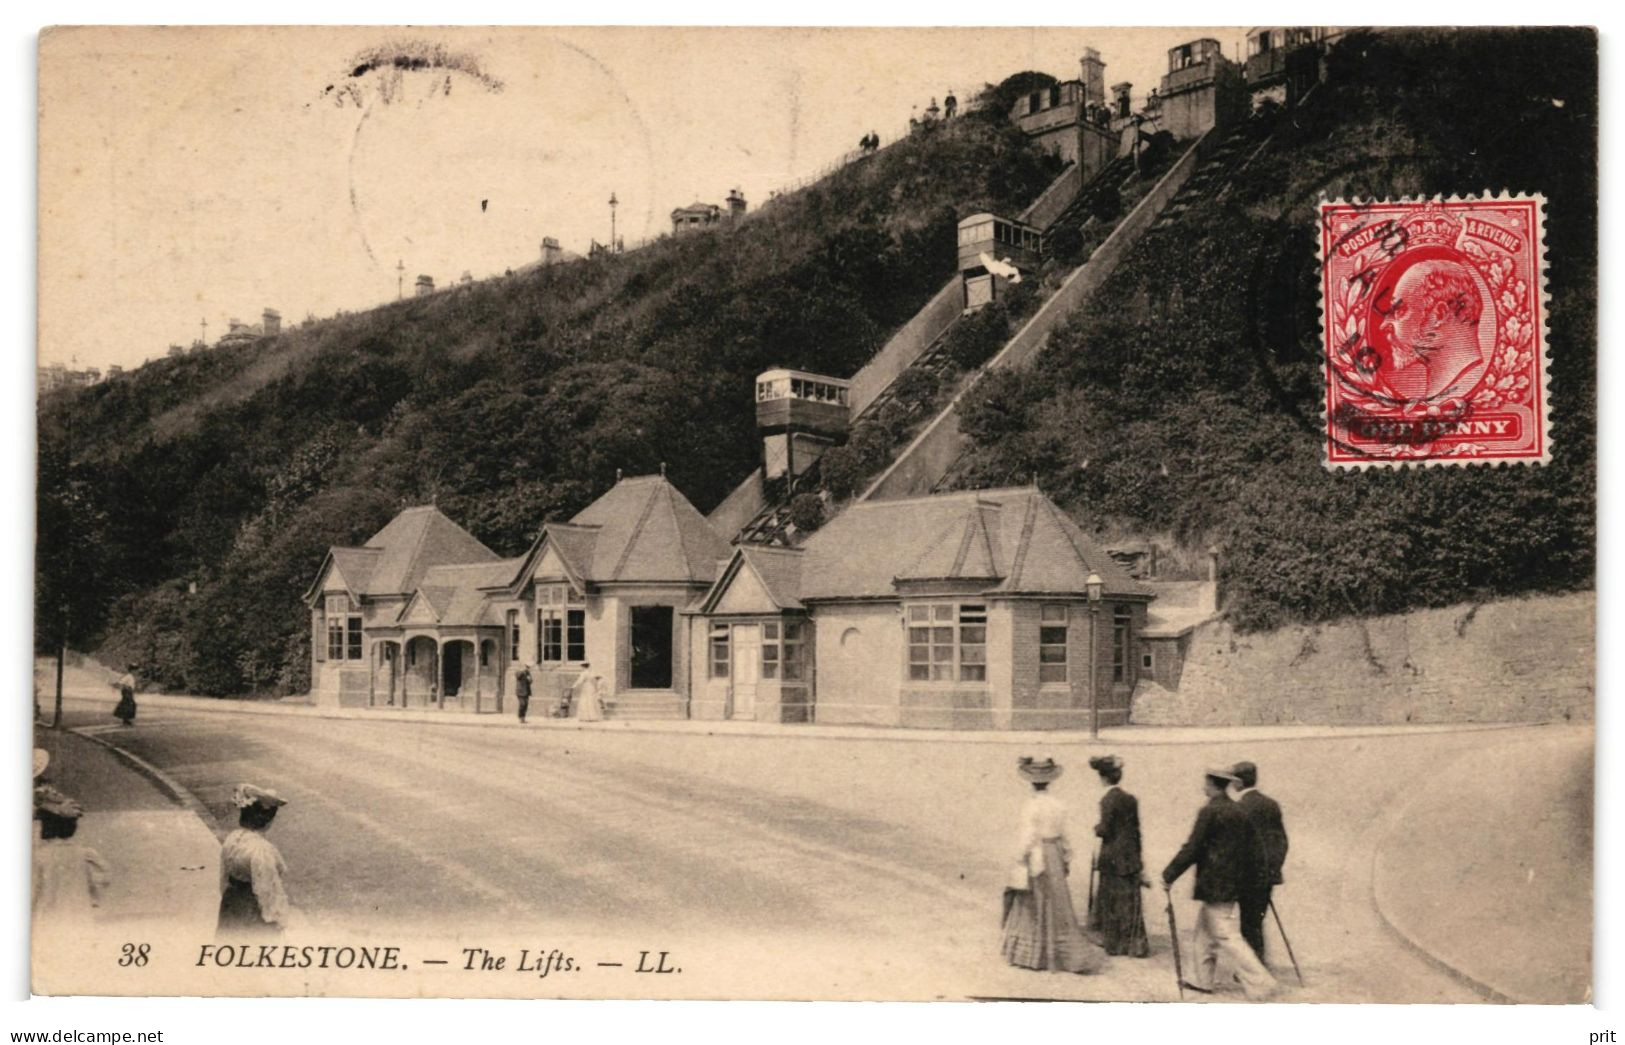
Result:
pixel 1516 660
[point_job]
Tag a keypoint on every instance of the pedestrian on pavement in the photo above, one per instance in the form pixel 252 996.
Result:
pixel 69 877
pixel 1224 850
pixel 1040 926
pixel 587 695
pixel 125 711
pixel 1264 813
pixel 521 689
pixel 1119 912
pixel 253 899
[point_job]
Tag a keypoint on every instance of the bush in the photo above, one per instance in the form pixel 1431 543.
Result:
pixel 806 512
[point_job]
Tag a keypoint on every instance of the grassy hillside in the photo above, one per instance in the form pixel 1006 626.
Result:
pixel 1186 397
pixel 506 402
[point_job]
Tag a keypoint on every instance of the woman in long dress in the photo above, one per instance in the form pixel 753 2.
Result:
pixel 69 877
pixel 1040 926
pixel 125 711
pixel 587 696
pixel 253 899
pixel 1119 913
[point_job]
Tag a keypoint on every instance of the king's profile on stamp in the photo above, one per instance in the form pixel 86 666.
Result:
pixel 1434 344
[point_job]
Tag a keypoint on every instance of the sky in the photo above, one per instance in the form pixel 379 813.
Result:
pixel 199 175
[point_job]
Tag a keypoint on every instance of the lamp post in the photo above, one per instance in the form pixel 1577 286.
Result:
pixel 613 203
pixel 1095 587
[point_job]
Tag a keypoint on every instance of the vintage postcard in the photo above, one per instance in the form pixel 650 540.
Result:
pixel 888 514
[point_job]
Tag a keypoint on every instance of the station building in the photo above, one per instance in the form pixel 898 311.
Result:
pixel 978 610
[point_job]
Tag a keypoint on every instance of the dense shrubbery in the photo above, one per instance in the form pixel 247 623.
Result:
pixel 505 402
pixel 1186 396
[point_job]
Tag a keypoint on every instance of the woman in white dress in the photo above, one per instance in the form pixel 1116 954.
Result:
pixel 69 877
pixel 1040 927
pixel 586 697
pixel 253 899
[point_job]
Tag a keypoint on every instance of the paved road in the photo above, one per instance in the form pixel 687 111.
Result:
pixel 800 867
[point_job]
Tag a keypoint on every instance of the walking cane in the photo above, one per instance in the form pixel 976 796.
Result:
pixel 1173 937
pixel 1094 866
pixel 1286 941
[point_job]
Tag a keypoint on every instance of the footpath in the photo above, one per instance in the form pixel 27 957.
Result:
pixel 163 857
pixel 1126 736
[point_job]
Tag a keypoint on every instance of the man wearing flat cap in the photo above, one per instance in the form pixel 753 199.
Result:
pixel 1264 813
pixel 1225 851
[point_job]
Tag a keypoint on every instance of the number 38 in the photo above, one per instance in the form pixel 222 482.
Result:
pixel 135 954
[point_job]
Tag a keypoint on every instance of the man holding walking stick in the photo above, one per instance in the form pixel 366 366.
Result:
pixel 1224 851
pixel 1264 813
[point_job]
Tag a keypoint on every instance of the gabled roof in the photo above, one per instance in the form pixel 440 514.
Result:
pixel 777 572
pixel 415 540
pixel 393 560
pixel 454 593
pixel 1010 541
pixel 642 530
pixel 356 566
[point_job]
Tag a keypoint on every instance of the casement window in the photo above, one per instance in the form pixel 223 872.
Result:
pixel 343 629
pixel 564 635
pixel 721 650
pixel 770 651
pixel 1121 618
pixel 1148 661
pixel 791 659
pixel 561 631
pixel 1052 625
pixel 513 636
pixel 947 642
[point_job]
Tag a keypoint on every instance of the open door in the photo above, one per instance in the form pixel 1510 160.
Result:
pixel 651 647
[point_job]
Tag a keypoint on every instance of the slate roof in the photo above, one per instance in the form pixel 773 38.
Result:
pixel 393 560
pixel 454 592
pixel 1009 541
pixel 778 569
pixel 642 530
pixel 415 540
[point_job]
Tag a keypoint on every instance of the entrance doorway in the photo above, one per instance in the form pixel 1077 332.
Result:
pixel 451 670
pixel 747 669
pixel 651 647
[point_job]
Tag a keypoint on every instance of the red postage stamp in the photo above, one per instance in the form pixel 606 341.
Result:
pixel 1434 314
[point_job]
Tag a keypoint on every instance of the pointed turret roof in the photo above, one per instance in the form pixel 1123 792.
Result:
pixel 393 560
pixel 641 530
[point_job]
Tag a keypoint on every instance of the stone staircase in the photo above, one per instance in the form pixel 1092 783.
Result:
pixel 644 705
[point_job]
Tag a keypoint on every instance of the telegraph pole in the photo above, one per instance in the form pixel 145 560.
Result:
pixel 613 203
pixel 400 279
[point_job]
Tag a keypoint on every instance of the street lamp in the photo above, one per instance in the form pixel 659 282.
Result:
pixel 1095 587
pixel 613 203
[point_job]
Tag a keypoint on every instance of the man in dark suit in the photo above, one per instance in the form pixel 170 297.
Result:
pixel 1225 851
pixel 1264 813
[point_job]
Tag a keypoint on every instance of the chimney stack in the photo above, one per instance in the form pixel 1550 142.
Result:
pixel 736 204
pixel 1094 78
pixel 425 285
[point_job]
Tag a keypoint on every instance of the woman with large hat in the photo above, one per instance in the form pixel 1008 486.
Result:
pixel 1040 926
pixel 125 711
pixel 253 900
pixel 69 877
pixel 1119 914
